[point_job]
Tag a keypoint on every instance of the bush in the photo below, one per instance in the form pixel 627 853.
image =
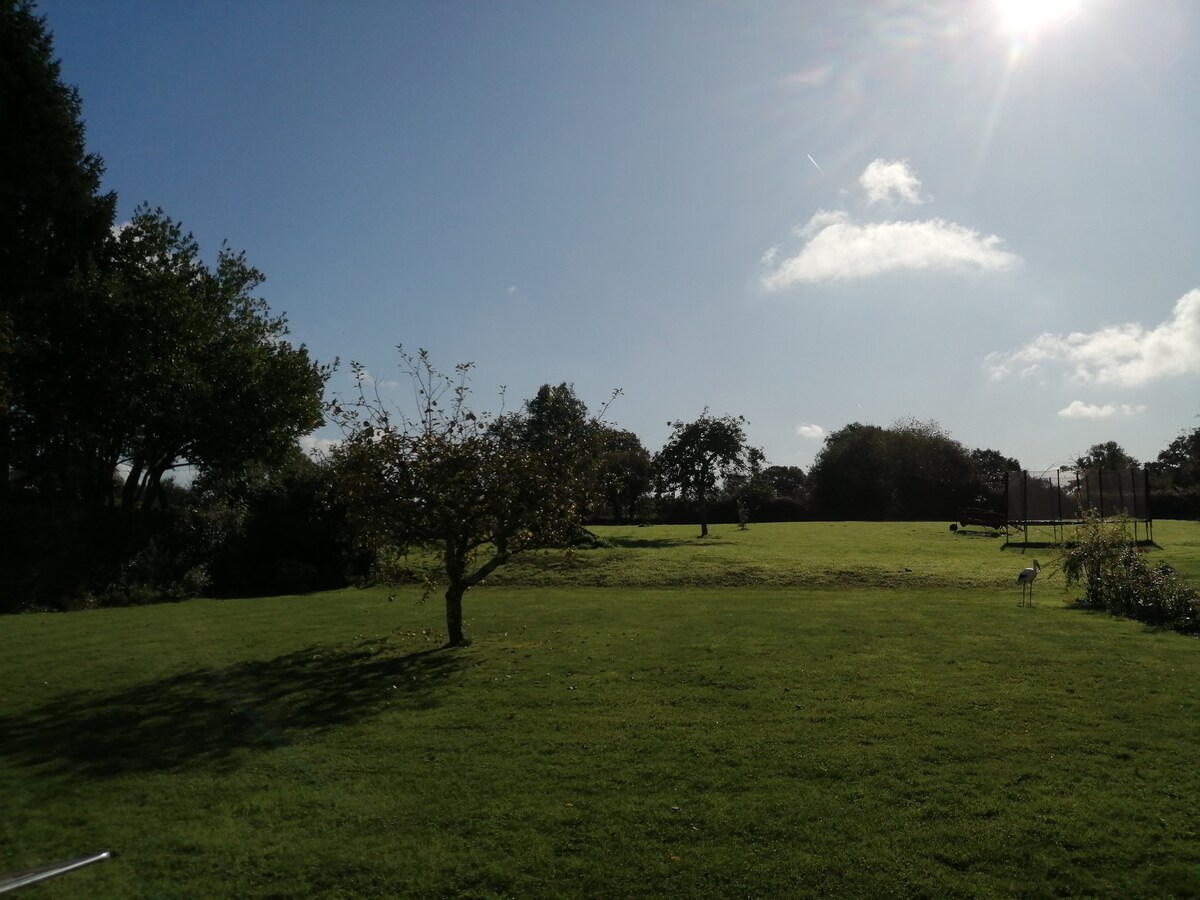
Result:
pixel 1117 579
pixel 57 557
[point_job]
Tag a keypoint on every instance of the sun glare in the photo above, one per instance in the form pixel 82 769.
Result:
pixel 1026 18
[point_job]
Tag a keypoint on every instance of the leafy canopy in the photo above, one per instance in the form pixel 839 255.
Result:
pixel 479 488
pixel 165 363
pixel 54 220
pixel 700 455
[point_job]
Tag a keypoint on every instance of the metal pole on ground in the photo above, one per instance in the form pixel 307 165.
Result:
pixel 14 880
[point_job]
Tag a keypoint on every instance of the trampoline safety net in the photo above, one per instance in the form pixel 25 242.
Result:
pixel 1062 496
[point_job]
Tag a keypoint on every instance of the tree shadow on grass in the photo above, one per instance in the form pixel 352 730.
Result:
pixel 211 716
pixel 646 543
pixel 975 534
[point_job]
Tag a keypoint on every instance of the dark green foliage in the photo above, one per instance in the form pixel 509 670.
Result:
pixel 1175 478
pixel 288 540
pixel 53 217
pixel 1181 460
pixel 475 488
pixel 69 557
pixel 991 475
pixel 1110 456
pixel 911 470
pixel 1116 578
pixel 166 363
pixel 848 477
pixel 171 363
pixel 626 472
pixel 749 490
pixel 700 456
pixel 54 221
pixel 118 352
pixel 787 481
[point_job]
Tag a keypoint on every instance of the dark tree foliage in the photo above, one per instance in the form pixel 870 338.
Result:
pixel 699 456
pixel 849 477
pixel 626 472
pixel 786 481
pixel 54 219
pixel 911 470
pixel 557 426
pixel 1175 477
pixel 1180 461
pixel 932 474
pixel 1109 455
pixel 476 488
pixel 284 538
pixel 991 471
pixel 168 363
pixel 749 489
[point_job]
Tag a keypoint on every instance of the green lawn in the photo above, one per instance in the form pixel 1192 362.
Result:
pixel 795 710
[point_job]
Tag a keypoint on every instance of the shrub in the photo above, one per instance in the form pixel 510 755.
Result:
pixel 1117 579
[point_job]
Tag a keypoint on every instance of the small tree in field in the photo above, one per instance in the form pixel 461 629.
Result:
pixel 477 488
pixel 700 455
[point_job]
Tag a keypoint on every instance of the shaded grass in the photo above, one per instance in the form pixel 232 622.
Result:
pixel 728 741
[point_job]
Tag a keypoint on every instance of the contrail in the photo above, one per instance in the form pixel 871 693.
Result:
pixel 814 162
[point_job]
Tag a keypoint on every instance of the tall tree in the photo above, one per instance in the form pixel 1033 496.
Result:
pixel 1175 477
pixel 558 428
pixel 848 478
pixel 169 363
pixel 750 488
pixel 931 473
pixel 222 385
pixel 1109 455
pixel 991 471
pixel 626 472
pixel 54 219
pixel 786 481
pixel 1180 461
pixel 700 455
pixel 910 470
pixel 477 488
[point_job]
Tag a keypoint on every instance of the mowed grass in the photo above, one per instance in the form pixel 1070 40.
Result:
pixel 855 710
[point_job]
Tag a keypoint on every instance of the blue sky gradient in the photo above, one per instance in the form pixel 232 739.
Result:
pixel 807 213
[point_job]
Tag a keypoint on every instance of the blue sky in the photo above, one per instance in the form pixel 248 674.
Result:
pixel 806 213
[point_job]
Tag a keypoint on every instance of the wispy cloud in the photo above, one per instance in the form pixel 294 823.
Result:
pixel 891 182
pixel 1080 410
pixel 365 376
pixel 813 432
pixel 1127 355
pixel 833 247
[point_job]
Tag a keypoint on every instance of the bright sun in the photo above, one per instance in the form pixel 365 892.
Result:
pixel 1025 18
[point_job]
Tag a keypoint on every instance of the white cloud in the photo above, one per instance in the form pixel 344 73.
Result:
pixel 837 249
pixel 1080 410
pixel 315 446
pixel 814 432
pixel 1127 355
pixel 891 182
